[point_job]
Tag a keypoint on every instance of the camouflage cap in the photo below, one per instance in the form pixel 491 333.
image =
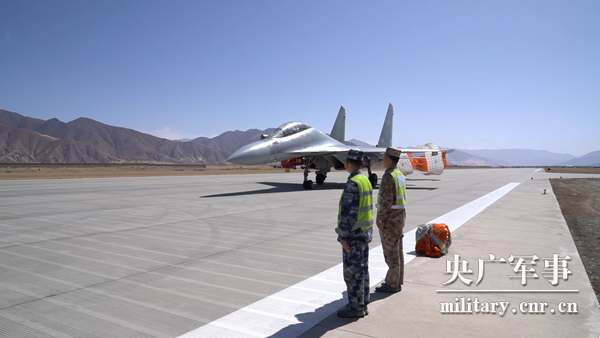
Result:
pixel 393 152
pixel 356 155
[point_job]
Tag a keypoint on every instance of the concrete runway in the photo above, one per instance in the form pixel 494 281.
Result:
pixel 171 256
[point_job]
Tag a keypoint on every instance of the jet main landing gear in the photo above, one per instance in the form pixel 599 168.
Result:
pixel 372 175
pixel 321 178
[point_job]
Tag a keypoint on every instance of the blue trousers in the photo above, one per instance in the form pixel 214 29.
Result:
pixel 356 270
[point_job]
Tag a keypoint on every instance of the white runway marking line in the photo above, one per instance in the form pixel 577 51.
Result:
pixel 278 315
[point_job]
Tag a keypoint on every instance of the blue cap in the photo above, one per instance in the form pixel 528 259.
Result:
pixel 356 155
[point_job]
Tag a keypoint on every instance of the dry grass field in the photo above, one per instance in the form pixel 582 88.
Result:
pixel 579 200
pixel 72 171
pixel 67 171
pixel 574 170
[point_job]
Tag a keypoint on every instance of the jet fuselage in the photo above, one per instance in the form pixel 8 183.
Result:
pixel 288 141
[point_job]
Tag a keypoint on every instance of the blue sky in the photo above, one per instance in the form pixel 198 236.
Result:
pixel 463 74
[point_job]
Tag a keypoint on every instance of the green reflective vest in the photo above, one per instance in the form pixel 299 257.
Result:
pixel 365 204
pixel 400 190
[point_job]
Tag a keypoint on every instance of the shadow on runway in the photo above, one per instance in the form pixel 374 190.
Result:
pixel 414 253
pixel 412 187
pixel 309 321
pixel 278 187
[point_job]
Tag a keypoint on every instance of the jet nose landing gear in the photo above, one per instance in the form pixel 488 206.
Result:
pixel 372 175
pixel 308 184
pixel 373 179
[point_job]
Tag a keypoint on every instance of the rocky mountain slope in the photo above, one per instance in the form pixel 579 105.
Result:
pixel 521 157
pixel 83 140
pixel 25 139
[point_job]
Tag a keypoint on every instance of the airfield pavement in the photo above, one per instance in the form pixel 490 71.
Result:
pixel 255 256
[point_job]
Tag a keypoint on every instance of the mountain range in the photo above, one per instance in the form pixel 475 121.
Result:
pixel 30 140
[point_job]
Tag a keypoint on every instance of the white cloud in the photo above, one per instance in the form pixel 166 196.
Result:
pixel 171 134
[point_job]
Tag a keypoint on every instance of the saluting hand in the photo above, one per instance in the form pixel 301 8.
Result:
pixel 380 225
pixel 345 245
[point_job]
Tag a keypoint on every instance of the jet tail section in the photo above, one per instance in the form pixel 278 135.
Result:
pixel 338 132
pixel 385 139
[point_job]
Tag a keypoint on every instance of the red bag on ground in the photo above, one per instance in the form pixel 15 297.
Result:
pixel 432 239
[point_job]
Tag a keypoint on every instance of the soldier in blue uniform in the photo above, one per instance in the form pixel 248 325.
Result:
pixel 355 232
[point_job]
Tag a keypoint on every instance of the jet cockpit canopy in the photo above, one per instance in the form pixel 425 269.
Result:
pixel 289 128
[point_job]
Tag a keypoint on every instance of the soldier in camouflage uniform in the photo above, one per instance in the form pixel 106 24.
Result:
pixel 391 215
pixel 355 232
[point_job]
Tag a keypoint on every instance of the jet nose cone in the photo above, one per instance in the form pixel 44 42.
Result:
pixel 253 153
pixel 238 157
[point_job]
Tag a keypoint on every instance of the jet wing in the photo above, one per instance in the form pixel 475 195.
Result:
pixel 343 150
pixel 380 151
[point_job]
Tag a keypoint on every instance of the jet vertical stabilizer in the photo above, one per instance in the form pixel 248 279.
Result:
pixel 338 132
pixel 385 139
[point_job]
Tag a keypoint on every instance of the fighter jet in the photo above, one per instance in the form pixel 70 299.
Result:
pixel 297 143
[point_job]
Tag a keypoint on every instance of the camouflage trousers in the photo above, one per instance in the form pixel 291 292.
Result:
pixel 356 270
pixel 391 242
